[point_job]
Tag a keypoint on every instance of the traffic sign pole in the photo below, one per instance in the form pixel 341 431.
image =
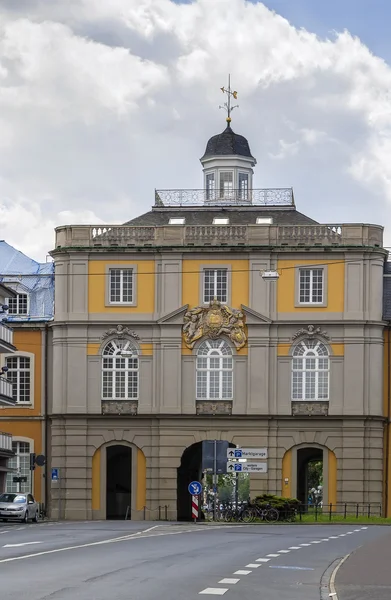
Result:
pixel 195 507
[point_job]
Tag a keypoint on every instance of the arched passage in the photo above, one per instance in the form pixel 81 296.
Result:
pixel 307 466
pixel 118 481
pixel 189 470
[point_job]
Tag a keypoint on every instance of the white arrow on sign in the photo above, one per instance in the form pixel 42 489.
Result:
pixel 255 467
pixel 19 545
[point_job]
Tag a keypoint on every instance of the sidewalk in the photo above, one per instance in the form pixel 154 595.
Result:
pixel 366 574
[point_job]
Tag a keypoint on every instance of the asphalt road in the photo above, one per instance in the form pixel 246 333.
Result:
pixel 168 561
pixel 366 573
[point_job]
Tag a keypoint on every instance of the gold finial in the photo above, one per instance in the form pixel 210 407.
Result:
pixel 230 94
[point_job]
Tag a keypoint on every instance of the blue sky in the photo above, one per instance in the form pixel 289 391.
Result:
pixel 368 19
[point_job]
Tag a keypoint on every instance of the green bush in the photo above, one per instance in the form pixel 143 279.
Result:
pixel 287 507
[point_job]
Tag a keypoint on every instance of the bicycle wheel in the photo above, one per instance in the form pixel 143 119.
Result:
pixel 271 515
pixel 248 515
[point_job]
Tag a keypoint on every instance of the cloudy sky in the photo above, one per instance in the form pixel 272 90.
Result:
pixel 101 101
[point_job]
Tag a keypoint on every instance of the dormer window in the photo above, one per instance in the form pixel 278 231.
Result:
pixel 18 305
pixel 210 186
pixel 226 184
pixel 243 186
pixel 264 221
pixel 177 221
pixel 221 221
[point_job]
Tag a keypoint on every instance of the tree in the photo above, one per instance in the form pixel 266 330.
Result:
pixel 244 487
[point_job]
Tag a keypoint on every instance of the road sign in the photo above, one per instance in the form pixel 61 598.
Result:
pixel 255 467
pixel 195 507
pixel 55 474
pixel 19 479
pixel 195 488
pixel 209 447
pixel 252 453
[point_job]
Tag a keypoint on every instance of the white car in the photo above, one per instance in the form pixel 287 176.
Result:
pixel 18 506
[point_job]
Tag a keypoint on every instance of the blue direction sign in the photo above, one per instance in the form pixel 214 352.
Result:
pixel 55 475
pixel 195 488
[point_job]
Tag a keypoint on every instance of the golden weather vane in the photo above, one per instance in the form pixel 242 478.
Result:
pixel 230 94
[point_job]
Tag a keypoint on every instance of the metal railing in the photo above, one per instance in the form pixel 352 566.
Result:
pixel 340 511
pixel 241 197
pixel 6 334
pixel 5 441
pixel 6 389
pixel 343 235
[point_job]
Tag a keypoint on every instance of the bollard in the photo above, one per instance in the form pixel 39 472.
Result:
pixel 330 511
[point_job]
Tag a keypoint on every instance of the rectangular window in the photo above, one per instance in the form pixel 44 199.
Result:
pixel 176 221
pixel 18 305
pixel 226 184
pixel 121 286
pixel 311 288
pixel 21 463
pixel 243 186
pixel 215 285
pixel 220 221
pixel 19 374
pixel 264 221
pixel 210 186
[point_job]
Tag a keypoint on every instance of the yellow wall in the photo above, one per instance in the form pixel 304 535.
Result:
pixel 284 349
pixel 332 492
pixel 96 480
pixel 286 286
pixel 191 281
pixel 145 287
pixel 141 497
pixel 27 340
pixel 287 474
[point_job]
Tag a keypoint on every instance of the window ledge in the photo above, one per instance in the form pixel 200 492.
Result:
pixel 119 407
pixel 309 408
pixel 214 407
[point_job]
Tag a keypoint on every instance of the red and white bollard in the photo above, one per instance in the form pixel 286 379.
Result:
pixel 195 507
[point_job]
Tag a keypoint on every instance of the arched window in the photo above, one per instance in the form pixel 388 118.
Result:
pixel 120 367
pixel 214 371
pixel 310 371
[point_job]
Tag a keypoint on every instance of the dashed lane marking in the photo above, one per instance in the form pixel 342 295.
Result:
pixel 214 591
pixel 252 566
pixel 263 560
pixel 283 551
pixel 272 555
pixel 229 581
pixel 305 544
pixel 242 572
pixel 294 548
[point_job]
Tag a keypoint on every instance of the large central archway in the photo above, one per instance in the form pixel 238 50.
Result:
pixel 189 470
pixel 118 481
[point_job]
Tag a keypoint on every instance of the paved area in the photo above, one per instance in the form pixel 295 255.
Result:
pixel 168 561
pixel 366 574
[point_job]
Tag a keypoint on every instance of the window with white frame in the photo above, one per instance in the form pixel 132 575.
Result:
pixel 214 371
pixel 226 184
pixel 19 374
pixel 310 371
pixel 21 463
pixel 243 186
pixel 18 305
pixel 210 186
pixel 311 286
pixel 121 286
pixel 120 370
pixel 215 285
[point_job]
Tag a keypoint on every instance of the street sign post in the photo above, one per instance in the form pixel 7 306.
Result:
pixel 249 453
pixel 55 474
pixel 195 488
pixel 254 467
pixel 195 502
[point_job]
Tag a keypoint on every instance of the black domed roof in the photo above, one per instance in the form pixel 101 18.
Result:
pixel 228 143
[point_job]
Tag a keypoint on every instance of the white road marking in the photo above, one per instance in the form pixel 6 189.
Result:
pixel 253 566
pixel 20 545
pixel 291 568
pixel 215 591
pixel 325 539
pixel 273 555
pixel 316 542
pixel 294 547
pixel 305 544
pixel 342 534
pixel 357 530
pixel 283 551
pixel 19 528
pixel 364 527
pixel 229 580
pixel 349 533
pixel 333 537
pixel 242 572
pixel 261 560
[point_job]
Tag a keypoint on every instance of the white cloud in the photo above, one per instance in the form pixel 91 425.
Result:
pixel 100 102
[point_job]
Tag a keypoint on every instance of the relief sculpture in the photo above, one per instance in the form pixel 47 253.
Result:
pixel 213 321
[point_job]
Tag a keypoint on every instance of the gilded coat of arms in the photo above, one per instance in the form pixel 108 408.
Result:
pixel 213 321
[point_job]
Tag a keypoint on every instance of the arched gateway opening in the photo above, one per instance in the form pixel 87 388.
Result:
pixel 309 475
pixel 190 470
pixel 118 481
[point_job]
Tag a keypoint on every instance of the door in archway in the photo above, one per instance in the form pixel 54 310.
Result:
pixel 309 472
pixel 118 481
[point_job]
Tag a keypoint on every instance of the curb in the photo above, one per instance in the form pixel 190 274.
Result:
pixel 333 592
